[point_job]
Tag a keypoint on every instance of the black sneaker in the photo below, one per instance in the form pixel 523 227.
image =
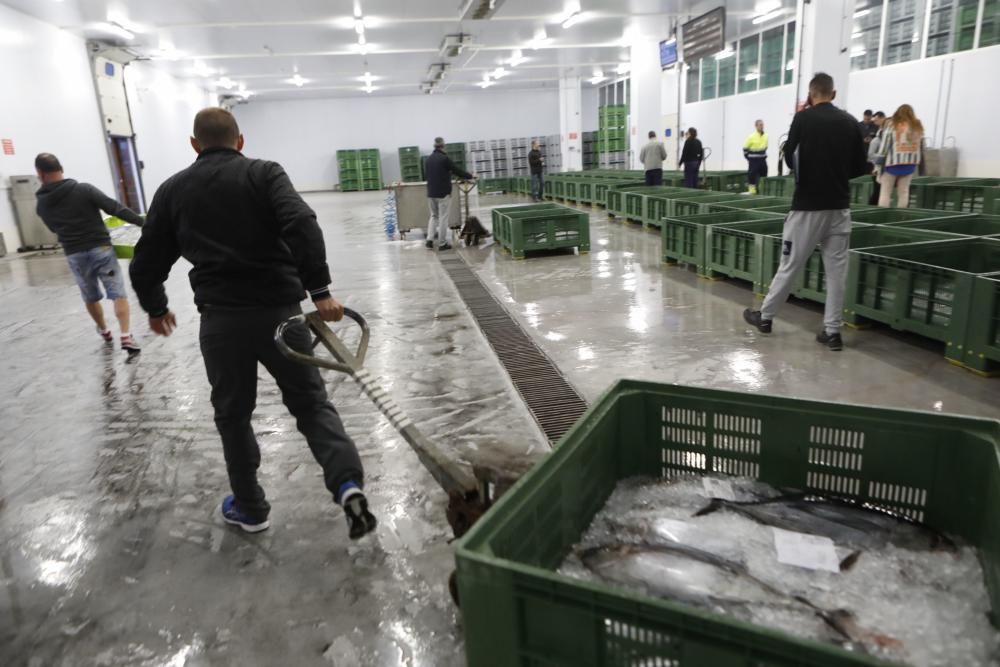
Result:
pixel 429 244
pixel 360 521
pixel 754 319
pixel 445 246
pixel 832 341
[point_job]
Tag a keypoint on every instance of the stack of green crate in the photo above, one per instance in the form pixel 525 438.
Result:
pixel 457 154
pixel 359 169
pixel 410 169
pixel 370 169
pixel 612 133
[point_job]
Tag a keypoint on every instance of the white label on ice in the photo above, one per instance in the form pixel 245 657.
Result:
pixel 809 551
pixel 718 488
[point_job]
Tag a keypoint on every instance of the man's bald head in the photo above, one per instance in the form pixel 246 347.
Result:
pixel 215 127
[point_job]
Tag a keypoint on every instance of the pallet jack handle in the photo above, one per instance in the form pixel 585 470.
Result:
pixel 347 362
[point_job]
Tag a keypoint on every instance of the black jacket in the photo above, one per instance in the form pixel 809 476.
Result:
pixel 535 161
pixel 824 150
pixel 252 240
pixel 438 172
pixel 692 151
pixel 72 211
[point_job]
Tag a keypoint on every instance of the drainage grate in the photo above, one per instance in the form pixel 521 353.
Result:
pixel 554 403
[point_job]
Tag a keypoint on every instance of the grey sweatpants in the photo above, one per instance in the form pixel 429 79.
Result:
pixel 803 231
pixel 438 224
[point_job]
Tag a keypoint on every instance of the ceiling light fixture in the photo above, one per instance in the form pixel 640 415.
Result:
pixel 225 82
pixel 297 80
pixel 359 26
pixel 201 69
pixel 500 73
pixel 362 39
pixel 726 53
pixel 572 20
pixel 540 39
pixel 598 76
pixel 862 12
pixel 516 58
pixel 368 88
pixel 243 92
pixel 764 18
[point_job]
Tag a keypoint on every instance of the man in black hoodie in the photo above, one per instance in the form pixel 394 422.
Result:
pixel 257 251
pixel 72 211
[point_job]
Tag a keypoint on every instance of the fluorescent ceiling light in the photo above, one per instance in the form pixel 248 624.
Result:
pixel 486 83
pixel 500 73
pixel 764 18
pixel 369 88
pixel 225 82
pixel 516 58
pixel 727 53
pixel 201 69
pixel 297 80
pixel 623 68
pixel 597 79
pixel 572 20
pixel 359 26
pixel 116 30
pixel 862 12
pixel 243 92
pixel 362 39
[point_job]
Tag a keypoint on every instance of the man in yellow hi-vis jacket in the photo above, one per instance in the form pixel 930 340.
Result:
pixel 755 151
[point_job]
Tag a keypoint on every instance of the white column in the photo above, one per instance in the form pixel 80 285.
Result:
pixel 645 111
pixel 823 44
pixel 570 123
pixel 669 114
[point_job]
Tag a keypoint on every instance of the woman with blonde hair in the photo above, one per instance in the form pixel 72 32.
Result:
pixel 899 154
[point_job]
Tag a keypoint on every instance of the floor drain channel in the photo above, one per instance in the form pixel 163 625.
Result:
pixel 554 403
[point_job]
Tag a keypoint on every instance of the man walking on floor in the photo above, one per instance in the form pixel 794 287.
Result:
pixel 72 211
pixel 652 156
pixel 438 172
pixel 536 164
pixel 257 250
pixel 755 151
pixel 824 150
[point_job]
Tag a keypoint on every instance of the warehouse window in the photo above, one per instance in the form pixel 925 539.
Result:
pixel 772 57
pixel 867 35
pixel 904 31
pixel 790 53
pixel 991 24
pixel 952 25
pixel 727 76
pixel 749 65
pixel 692 90
pixel 709 70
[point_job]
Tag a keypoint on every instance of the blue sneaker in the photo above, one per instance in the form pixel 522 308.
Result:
pixel 233 515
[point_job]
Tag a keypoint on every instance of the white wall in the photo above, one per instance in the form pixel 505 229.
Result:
pixel 49 105
pixel 163 110
pixel 724 124
pixel 305 135
pixel 964 113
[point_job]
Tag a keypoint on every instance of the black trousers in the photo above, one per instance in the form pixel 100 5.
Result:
pixel 757 168
pixel 232 343
pixel 654 177
pixel 691 168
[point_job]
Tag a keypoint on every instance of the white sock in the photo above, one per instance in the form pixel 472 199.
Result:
pixel 126 334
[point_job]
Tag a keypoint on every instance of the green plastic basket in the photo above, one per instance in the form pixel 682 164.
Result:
pixel 971 225
pixel 517 610
pixel 882 216
pixel 685 239
pixel 981 350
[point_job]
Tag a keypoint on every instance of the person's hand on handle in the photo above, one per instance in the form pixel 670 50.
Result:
pixel 329 309
pixel 163 325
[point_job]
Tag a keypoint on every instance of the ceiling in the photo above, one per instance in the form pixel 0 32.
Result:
pixel 262 44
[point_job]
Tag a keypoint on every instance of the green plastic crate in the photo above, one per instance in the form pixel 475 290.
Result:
pixel 925 288
pixel 977 195
pixel 608 193
pixel 500 217
pixel 981 349
pixel 777 186
pixel 861 189
pixel 883 216
pixel 967 225
pixel 517 610
pixel 542 229
pixel 726 181
pixel 701 204
pixel 487 185
pixel 736 249
pixel 749 202
pixel 685 239
pixel 811 282
pixel 661 203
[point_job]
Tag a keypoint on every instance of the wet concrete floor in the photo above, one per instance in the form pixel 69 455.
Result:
pixel 111 549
